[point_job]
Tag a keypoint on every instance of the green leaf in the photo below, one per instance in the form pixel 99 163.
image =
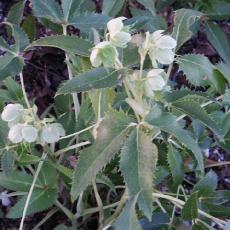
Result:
pixel 218 39
pixel 207 185
pixel 218 10
pixel 197 68
pixel 138 165
pixel 29 26
pixel 16 13
pixel 224 69
pixel 7 161
pixel 111 135
pixel 128 219
pixel 175 162
pixel 20 37
pixel 48 9
pixel 190 209
pixel 112 8
pixel 16 181
pixel 149 5
pixel 94 79
pixel 4 45
pixel 41 200
pixel 189 105
pixel 168 123
pixel 217 210
pixel 70 44
pixel 71 8
pixel 10 66
pixel 85 22
pixel 130 56
pixel 185 25
pixel 27 159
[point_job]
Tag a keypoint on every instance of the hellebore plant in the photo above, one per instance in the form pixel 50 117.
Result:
pixel 115 131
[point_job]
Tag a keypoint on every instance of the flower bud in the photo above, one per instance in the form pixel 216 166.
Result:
pixel 104 53
pixel 15 133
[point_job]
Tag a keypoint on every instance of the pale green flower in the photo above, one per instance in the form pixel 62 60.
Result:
pixel 51 133
pixel 12 114
pixel 29 133
pixel 118 33
pixel 154 82
pixel 160 47
pixel 104 53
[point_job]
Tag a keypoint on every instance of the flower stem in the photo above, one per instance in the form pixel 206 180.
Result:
pixel 24 91
pixel 74 95
pixel 32 189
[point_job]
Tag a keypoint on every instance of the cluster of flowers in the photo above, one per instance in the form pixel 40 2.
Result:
pixel 157 46
pixel 24 126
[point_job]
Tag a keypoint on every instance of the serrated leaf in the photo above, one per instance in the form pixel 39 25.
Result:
pixel 191 107
pixel 138 164
pixel 168 123
pixel 85 22
pixel 175 162
pixel 16 12
pixel 128 219
pixel 185 25
pixel 16 181
pixel 190 209
pixel 94 79
pixel 149 5
pixel 20 37
pixel 48 9
pixel 10 66
pixel 111 136
pixel 197 68
pixel 112 8
pixel 207 185
pixel 29 26
pixel 218 39
pixel 41 199
pixel 70 44
pixel 71 8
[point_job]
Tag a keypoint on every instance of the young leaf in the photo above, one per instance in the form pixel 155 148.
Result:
pixel 41 199
pixel 94 79
pixel 111 135
pixel 29 26
pixel 48 9
pixel 191 107
pixel 176 165
pixel 138 165
pixel 218 39
pixel 207 185
pixel 168 123
pixel 85 22
pixel 128 218
pixel 70 44
pixel 71 8
pixel 190 209
pixel 185 25
pixel 16 12
pixel 112 8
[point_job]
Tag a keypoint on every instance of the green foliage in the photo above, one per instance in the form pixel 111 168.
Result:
pixel 185 25
pixel 93 79
pixel 70 44
pixel 190 209
pixel 111 135
pixel 112 8
pixel 138 165
pixel 16 13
